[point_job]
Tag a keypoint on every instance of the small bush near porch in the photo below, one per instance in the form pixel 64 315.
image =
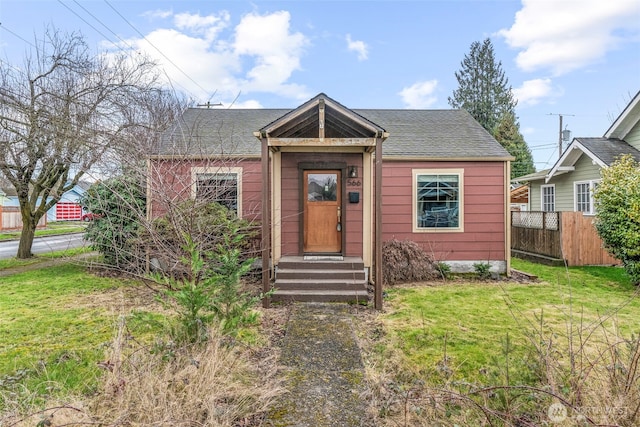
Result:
pixel 503 353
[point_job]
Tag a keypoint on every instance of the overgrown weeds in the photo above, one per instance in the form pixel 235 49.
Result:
pixel 216 384
pixel 562 362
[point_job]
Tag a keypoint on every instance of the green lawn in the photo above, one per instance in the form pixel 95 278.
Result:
pixel 53 228
pixel 55 324
pixel 469 321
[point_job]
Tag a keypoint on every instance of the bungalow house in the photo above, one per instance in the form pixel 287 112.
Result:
pixel 568 185
pixel 331 184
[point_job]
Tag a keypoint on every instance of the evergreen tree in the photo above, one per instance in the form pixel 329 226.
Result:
pixel 507 133
pixel 483 90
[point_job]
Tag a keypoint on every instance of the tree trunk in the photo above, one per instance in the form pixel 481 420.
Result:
pixel 29 225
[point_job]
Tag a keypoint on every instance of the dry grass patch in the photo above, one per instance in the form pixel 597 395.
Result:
pixel 221 383
pixel 502 353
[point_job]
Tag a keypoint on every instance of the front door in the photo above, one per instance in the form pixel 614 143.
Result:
pixel 322 211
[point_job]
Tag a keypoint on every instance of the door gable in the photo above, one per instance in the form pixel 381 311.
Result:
pixel 322 117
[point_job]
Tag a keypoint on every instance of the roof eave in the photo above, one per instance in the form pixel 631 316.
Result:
pixel 629 117
pixel 567 162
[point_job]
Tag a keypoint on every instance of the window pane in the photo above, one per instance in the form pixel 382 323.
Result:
pixel 220 188
pixel 583 198
pixel 548 199
pixel 438 198
pixel 322 187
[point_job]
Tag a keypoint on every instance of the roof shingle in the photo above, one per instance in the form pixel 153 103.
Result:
pixel 438 134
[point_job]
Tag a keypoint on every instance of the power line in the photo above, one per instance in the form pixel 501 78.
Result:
pixel 154 46
pixel 101 23
pixel 85 21
pixel 4 27
pixel 119 47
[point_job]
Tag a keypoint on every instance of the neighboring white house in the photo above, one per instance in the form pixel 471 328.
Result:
pixel 569 184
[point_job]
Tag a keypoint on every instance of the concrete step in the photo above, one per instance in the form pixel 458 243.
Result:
pixel 360 296
pixel 326 273
pixel 325 284
pixel 347 263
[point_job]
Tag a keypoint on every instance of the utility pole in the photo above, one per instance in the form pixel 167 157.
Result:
pixel 560 133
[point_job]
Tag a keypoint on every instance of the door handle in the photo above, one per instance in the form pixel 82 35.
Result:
pixel 339 226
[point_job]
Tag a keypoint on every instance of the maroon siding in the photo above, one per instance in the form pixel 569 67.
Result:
pixel 484 211
pixel 291 201
pixel 170 182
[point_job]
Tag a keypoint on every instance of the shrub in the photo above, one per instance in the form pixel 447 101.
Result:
pixel 201 251
pixel 204 225
pixel 445 270
pixel 618 213
pixel 119 205
pixel 405 261
pixel 483 270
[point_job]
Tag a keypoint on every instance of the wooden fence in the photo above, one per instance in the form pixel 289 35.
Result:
pixel 10 219
pixel 569 236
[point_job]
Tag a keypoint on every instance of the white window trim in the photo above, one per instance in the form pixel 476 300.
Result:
pixel 542 187
pixel 414 200
pixel 592 205
pixel 195 171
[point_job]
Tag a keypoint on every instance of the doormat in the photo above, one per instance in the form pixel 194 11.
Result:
pixel 323 258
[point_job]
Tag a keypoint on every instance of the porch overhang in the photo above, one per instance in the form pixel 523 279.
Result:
pixel 321 123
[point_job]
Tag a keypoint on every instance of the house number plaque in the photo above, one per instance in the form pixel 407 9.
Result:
pixel 354 183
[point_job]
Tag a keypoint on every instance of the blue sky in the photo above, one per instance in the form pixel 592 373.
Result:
pixel 576 58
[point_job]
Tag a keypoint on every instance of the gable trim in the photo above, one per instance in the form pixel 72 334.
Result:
pixel 567 162
pixel 629 117
pixel 322 101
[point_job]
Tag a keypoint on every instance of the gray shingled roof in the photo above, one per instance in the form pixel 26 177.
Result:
pixel 608 149
pixel 413 133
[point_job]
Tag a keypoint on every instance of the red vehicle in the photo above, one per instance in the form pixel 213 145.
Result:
pixel 90 216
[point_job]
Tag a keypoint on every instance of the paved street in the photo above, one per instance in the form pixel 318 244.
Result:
pixel 44 244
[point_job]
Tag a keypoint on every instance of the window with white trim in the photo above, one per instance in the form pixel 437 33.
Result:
pixel 548 197
pixel 438 200
pixel 583 196
pixel 220 185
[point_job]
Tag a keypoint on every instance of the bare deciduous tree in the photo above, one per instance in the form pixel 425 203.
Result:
pixel 60 112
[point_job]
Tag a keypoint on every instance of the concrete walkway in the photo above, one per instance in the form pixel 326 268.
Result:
pixel 323 370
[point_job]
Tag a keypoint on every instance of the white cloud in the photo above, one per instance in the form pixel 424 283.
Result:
pixel 533 91
pixel 209 25
pixel 359 47
pixel 190 63
pixel 420 94
pixel 206 54
pixel 562 36
pixel 275 50
pixel 159 13
pixel 250 103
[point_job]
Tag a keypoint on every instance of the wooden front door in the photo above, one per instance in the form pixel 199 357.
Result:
pixel 322 211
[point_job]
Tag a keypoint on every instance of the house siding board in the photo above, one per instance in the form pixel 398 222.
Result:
pixel 484 209
pixel 633 138
pixel 170 181
pixel 292 211
pixel 585 170
pixel 535 196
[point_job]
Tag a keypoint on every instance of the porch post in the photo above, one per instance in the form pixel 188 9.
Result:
pixel 265 243
pixel 378 226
